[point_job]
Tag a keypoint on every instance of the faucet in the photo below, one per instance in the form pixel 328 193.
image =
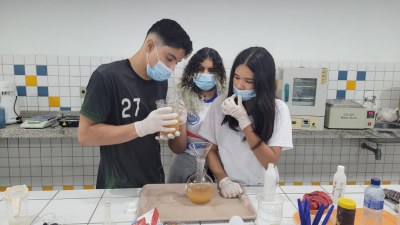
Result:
pixel 372 100
pixel 377 151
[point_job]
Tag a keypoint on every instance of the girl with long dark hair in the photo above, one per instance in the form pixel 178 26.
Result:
pixel 249 127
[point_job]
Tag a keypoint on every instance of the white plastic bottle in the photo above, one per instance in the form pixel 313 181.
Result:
pixel 277 176
pixel 270 177
pixel 373 203
pixel 339 184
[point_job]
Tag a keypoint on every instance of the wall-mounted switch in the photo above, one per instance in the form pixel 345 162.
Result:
pixel 82 91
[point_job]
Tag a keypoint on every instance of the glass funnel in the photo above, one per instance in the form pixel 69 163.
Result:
pixel 199 186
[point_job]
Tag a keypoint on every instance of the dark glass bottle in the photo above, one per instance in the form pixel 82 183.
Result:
pixel 346 211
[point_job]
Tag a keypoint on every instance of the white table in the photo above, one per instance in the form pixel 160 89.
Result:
pixel 87 206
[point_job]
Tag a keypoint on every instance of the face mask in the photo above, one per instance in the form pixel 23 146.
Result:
pixel 246 94
pixel 160 71
pixel 205 81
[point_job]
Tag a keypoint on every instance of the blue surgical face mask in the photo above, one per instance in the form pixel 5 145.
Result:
pixel 205 81
pixel 246 94
pixel 160 71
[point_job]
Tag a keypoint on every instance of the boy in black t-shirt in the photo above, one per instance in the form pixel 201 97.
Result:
pixel 119 112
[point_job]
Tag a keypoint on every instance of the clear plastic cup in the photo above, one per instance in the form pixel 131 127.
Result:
pixel 269 212
pixel 174 104
pixel 17 205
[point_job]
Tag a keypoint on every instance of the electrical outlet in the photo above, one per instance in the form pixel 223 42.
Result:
pixel 82 91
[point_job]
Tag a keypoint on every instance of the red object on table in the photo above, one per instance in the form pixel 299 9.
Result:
pixel 317 198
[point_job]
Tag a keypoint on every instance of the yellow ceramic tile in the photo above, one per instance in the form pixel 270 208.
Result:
pixel 68 187
pixel 367 182
pixel 330 182
pixel 315 183
pixel 31 80
pixel 298 183
pixel 351 85
pixel 29 188
pixel 88 187
pixel 351 183
pixel 47 188
pixel 281 183
pixel 2 188
pixel 54 101
pixel 386 182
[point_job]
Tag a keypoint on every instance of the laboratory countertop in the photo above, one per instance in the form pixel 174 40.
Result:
pixel 15 131
pixel 87 206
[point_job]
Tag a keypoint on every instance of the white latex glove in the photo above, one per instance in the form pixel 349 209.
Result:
pixel 156 121
pixel 168 136
pixel 182 121
pixel 238 111
pixel 230 189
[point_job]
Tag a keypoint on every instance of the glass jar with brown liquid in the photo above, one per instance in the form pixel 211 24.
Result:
pixel 174 104
pixel 199 186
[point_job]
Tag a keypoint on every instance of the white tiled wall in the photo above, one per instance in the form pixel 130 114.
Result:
pixel 60 162
pixel 316 160
pixel 47 162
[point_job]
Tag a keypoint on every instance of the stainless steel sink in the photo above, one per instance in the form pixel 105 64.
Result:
pixel 387 126
pixel 386 133
pixel 384 140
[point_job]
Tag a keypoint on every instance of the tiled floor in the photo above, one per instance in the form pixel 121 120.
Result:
pixel 87 206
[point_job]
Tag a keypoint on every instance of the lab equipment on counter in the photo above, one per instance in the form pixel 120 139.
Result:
pixel 8 99
pixel 304 90
pixel 39 122
pixel 69 121
pixel 339 184
pixel 348 114
pixel 199 186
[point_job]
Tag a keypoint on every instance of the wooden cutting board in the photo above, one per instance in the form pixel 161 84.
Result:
pixel 387 218
pixel 174 206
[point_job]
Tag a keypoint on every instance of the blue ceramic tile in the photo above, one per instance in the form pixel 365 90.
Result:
pixel 340 94
pixel 41 70
pixel 342 75
pixel 65 108
pixel 19 69
pixel 361 75
pixel 43 91
pixel 21 90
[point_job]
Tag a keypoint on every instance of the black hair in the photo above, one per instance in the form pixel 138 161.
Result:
pixel 193 67
pixel 262 64
pixel 172 34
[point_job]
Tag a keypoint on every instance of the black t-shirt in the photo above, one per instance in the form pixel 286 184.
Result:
pixel 116 95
